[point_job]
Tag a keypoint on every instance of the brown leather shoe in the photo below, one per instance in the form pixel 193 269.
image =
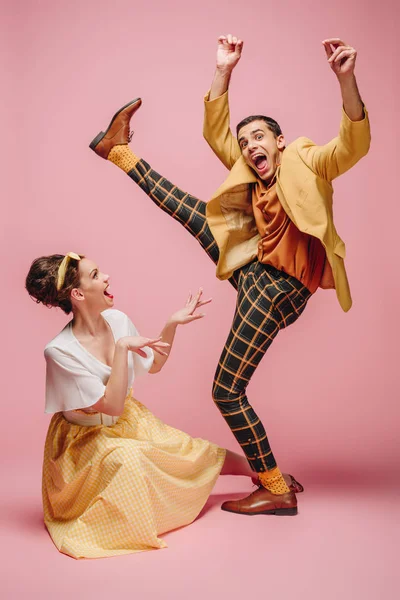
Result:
pixel 118 130
pixel 263 502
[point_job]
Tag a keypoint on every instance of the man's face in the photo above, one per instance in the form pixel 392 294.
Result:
pixel 261 149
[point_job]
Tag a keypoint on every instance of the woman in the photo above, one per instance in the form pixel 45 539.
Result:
pixel 114 476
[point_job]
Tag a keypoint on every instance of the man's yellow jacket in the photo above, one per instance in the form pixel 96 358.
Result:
pixel 304 189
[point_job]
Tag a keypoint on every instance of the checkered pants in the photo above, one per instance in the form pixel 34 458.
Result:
pixel 268 300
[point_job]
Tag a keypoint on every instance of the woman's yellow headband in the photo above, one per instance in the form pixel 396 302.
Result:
pixel 62 269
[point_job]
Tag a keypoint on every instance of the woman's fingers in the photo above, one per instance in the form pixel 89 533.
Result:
pixel 195 317
pixel 198 295
pixel 160 352
pixel 140 352
pixel 159 345
pixel 194 300
pixel 147 341
pixel 203 302
pixel 191 318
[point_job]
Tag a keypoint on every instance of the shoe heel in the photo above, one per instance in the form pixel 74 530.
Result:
pixel 288 512
pixel 295 486
pixel 96 140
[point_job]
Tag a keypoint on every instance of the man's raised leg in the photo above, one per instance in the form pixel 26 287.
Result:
pixel 182 206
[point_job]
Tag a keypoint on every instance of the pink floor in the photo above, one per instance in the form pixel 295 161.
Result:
pixel 342 545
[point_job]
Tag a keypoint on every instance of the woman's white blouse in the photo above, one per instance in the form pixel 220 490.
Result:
pixel 77 379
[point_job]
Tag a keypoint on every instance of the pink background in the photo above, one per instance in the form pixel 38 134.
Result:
pixel 327 389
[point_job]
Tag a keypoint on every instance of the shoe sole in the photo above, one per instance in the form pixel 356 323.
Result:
pixel 279 512
pixel 100 135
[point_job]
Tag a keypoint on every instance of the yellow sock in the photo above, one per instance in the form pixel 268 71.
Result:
pixel 273 481
pixel 123 157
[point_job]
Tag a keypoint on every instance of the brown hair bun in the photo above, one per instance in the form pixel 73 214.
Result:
pixel 42 278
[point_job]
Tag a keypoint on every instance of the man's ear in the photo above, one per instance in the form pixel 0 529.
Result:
pixel 280 142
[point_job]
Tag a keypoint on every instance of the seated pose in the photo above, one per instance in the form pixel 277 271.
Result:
pixel 270 230
pixel 114 476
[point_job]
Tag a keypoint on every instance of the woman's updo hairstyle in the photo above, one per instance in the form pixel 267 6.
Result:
pixel 41 281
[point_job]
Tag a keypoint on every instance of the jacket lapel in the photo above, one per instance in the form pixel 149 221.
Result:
pixel 239 174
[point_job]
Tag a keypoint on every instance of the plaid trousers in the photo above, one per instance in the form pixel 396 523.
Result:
pixel 268 300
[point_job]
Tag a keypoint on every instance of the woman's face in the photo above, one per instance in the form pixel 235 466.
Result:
pixel 93 290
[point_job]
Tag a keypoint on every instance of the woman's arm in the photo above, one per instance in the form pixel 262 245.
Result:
pixel 112 403
pixel 181 317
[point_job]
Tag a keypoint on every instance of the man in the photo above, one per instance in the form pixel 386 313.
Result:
pixel 269 228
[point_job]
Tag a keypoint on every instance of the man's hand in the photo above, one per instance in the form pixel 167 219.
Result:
pixel 341 57
pixel 187 314
pixel 229 52
pixel 228 55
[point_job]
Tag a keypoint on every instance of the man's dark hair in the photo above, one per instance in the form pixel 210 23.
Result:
pixel 271 124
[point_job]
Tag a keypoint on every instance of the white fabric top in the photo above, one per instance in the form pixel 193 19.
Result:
pixel 77 379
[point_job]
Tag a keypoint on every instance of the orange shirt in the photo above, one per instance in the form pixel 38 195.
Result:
pixel 282 245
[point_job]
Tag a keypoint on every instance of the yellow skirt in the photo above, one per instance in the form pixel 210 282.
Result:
pixel 115 490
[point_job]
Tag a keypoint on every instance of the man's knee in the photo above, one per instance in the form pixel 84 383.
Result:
pixel 226 399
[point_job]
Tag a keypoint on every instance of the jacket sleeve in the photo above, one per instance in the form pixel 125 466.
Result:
pixel 216 130
pixel 341 153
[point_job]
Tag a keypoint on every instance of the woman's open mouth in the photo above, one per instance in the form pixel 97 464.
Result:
pixel 107 293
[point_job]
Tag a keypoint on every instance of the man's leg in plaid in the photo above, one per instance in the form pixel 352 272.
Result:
pixel 267 302
pixel 183 207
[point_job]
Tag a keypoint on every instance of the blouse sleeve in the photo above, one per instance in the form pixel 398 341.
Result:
pixel 68 384
pixel 141 365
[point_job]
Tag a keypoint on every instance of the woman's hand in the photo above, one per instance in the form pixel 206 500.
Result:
pixel 136 343
pixel 187 314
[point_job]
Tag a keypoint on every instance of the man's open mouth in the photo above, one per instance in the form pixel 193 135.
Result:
pixel 260 162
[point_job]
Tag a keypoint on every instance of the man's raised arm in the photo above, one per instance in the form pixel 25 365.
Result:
pixel 342 60
pixel 343 152
pixel 216 128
